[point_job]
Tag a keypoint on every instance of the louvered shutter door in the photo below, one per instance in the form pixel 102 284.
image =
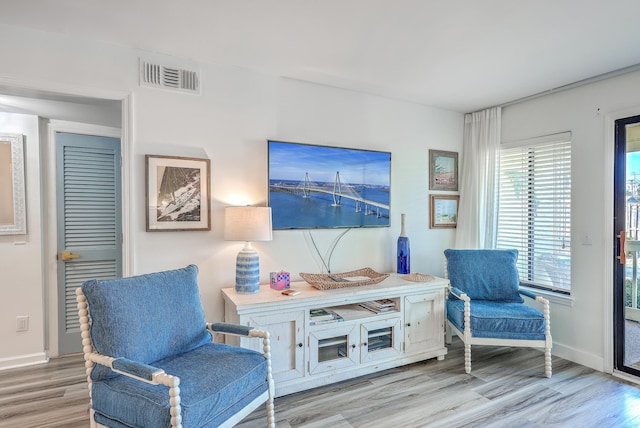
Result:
pixel 89 222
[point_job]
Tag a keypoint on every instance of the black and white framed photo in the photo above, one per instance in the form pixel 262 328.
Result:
pixel 177 193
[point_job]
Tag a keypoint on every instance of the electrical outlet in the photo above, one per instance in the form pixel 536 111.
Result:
pixel 22 323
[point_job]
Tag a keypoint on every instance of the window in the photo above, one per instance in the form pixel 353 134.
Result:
pixel 534 209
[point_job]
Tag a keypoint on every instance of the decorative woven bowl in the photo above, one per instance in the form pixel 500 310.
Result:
pixel 418 277
pixel 325 281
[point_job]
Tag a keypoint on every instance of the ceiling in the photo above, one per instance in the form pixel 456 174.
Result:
pixel 461 55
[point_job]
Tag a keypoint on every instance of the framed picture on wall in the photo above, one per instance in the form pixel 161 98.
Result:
pixel 443 170
pixel 13 215
pixel 177 193
pixel 444 211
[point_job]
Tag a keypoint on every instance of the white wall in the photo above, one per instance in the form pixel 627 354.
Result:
pixel 230 123
pixel 21 278
pixel 579 331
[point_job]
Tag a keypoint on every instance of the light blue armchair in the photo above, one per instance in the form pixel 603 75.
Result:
pixel 485 304
pixel 151 361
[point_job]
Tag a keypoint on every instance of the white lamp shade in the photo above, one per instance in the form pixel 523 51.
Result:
pixel 247 224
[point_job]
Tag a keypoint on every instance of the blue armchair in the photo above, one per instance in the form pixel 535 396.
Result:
pixel 485 304
pixel 151 361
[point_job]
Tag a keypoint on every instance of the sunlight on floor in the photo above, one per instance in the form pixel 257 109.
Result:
pixel 631 408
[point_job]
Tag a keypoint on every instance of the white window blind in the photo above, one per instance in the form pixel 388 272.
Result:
pixel 534 210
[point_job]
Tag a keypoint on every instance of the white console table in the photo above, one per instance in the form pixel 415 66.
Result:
pixel 306 354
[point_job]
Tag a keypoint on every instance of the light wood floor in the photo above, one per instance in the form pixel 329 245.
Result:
pixel 52 395
pixel 505 389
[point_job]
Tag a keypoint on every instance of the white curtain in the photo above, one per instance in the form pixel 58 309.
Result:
pixel 478 171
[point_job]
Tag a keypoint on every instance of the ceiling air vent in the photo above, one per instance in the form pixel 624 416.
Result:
pixel 176 79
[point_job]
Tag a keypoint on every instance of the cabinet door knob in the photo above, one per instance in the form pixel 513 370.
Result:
pixel 408 324
pixel 364 344
pixel 353 346
pixel 300 345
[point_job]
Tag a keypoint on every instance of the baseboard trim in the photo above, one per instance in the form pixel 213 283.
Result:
pixel 23 360
pixel 577 356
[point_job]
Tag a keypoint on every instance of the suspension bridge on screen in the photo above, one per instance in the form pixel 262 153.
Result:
pixel 338 189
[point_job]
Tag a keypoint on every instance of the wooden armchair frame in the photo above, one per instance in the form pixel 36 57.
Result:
pixel 468 339
pixel 158 376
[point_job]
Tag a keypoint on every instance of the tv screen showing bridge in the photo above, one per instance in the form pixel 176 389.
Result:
pixel 299 200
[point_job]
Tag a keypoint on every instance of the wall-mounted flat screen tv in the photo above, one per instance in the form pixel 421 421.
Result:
pixel 322 187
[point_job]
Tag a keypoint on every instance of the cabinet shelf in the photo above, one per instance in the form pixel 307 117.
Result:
pixel 331 342
pixel 380 344
pixel 329 354
pixel 378 333
pixel 355 312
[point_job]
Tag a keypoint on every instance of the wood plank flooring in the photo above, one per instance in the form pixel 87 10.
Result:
pixel 52 395
pixel 506 388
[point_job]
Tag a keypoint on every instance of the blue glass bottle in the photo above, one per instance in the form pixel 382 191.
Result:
pixel 404 252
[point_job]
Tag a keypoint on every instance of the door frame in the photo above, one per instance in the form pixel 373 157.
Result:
pixel 609 234
pixel 50 235
pixel 50 225
pixel 49 274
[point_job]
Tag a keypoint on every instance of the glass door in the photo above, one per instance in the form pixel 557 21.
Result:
pixel 627 231
pixel 380 339
pixel 333 348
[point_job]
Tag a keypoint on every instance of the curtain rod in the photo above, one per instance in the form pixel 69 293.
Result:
pixel 599 77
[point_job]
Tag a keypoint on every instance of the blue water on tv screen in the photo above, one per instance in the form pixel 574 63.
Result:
pixel 320 187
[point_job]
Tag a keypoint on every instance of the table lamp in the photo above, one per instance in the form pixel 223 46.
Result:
pixel 247 224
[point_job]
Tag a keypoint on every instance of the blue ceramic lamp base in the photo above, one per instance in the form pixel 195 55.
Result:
pixel 247 271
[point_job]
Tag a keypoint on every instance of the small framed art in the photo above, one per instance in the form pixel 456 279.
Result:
pixel 177 193
pixel 13 216
pixel 443 170
pixel 444 211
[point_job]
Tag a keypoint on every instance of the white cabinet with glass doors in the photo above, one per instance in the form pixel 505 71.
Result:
pixel 310 351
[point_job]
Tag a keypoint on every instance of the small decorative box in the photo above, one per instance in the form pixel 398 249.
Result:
pixel 279 280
